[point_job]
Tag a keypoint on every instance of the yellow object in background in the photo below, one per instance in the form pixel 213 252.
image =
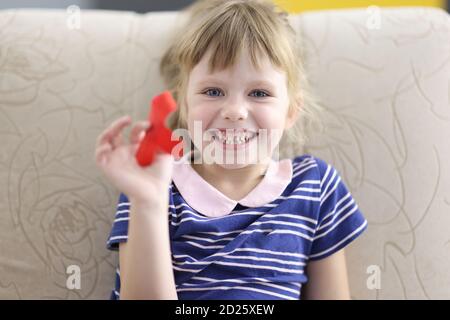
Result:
pixel 295 6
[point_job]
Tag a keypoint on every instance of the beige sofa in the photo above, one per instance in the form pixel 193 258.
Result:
pixel 384 84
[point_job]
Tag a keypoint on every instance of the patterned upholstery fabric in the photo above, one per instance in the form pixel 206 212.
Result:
pixel 386 129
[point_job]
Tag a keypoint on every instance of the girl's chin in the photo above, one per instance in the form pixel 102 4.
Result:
pixel 232 166
pixel 228 158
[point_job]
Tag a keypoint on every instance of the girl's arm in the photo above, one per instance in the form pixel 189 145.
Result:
pixel 327 279
pixel 145 259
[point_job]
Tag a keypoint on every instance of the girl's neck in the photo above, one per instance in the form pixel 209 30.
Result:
pixel 234 183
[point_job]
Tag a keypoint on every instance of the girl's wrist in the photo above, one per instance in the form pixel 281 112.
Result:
pixel 149 203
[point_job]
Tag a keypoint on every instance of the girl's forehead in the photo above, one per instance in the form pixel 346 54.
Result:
pixel 263 67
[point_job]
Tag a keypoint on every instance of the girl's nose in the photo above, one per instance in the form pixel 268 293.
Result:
pixel 234 111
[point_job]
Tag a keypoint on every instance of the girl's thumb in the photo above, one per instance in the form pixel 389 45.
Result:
pixel 163 165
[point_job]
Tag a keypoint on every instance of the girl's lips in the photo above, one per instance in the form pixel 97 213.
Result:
pixel 230 131
pixel 235 145
pixel 235 130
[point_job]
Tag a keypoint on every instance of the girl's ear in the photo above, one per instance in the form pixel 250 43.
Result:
pixel 293 112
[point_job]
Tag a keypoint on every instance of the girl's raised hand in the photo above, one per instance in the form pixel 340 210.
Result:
pixel 116 159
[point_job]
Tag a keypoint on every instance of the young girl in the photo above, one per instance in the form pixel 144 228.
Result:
pixel 259 229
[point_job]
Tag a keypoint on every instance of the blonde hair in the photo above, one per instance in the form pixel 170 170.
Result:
pixel 227 27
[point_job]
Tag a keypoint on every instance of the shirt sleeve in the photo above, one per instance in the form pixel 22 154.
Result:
pixel 340 220
pixel 119 231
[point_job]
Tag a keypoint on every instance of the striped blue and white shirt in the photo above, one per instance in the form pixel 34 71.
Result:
pixel 258 247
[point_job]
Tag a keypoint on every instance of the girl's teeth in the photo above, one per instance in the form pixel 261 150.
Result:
pixel 233 139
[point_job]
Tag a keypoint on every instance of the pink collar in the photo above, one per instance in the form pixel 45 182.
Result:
pixel 209 201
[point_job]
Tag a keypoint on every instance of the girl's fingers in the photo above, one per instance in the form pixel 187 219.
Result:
pixel 138 131
pixel 112 137
pixel 101 153
pixel 117 141
pixel 113 130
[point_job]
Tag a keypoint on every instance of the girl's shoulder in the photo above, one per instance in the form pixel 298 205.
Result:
pixel 309 157
pixel 308 163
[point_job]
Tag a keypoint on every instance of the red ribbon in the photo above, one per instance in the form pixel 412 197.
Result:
pixel 158 136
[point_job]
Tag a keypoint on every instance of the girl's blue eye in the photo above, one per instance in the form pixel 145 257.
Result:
pixel 217 90
pixel 209 90
pixel 266 95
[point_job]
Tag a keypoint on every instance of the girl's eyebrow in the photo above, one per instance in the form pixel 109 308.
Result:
pixel 208 81
pixel 258 82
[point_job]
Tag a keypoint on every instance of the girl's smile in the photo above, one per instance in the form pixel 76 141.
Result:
pixel 234 138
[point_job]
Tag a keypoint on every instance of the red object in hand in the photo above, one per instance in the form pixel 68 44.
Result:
pixel 158 136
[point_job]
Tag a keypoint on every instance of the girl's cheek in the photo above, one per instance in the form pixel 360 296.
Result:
pixel 205 113
pixel 268 120
pixel 199 117
pixel 198 124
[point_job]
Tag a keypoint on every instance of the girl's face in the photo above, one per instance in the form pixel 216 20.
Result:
pixel 239 102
